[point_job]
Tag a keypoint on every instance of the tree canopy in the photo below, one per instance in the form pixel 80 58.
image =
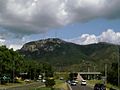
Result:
pixel 13 64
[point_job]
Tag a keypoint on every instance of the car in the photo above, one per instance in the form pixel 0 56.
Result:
pixel 76 81
pixel 68 81
pixel 27 80
pixel 99 86
pixel 61 78
pixel 83 82
pixel 73 83
pixel 43 80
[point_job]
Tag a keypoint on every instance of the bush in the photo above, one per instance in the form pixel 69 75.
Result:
pixel 50 82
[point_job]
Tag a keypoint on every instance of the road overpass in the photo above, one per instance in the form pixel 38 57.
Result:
pixel 90 75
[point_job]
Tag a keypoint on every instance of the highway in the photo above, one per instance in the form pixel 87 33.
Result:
pixel 79 87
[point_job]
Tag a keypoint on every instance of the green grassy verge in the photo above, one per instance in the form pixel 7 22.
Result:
pixel 7 85
pixel 59 84
pixel 20 83
pixel 42 88
pixel 112 86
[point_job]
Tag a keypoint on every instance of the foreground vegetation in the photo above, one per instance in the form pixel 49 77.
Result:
pixel 13 65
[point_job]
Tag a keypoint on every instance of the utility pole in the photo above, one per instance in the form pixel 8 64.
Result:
pixel 88 69
pixel 13 68
pixel 88 72
pixel 0 68
pixel 118 65
pixel 94 71
pixel 105 74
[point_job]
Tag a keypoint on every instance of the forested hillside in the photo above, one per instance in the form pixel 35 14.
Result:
pixel 61 54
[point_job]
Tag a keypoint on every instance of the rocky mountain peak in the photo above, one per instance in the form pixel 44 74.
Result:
pixel 44 44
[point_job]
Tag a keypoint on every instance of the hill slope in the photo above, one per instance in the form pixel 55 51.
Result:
pixel 61 53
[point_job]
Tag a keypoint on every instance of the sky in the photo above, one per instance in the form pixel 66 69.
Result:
pixel 78 21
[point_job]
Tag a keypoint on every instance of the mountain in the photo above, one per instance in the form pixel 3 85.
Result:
pixel 62 53
pixel 52 50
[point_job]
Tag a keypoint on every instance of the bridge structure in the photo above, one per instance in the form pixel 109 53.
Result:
pixel 90 75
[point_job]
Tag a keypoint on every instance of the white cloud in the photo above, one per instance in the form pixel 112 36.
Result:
pixel 85 39
pixel 15 47
pixel 25 17
pixel 109 36
pixel 31 16
pixel 2 42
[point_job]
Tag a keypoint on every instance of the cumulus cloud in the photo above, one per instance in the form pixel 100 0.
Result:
pixel 31 16
pixel 38 16
pixel 108 36
pixel 84 39
pixel 2 42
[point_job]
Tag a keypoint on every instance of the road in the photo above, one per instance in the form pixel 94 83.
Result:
pixel 79 87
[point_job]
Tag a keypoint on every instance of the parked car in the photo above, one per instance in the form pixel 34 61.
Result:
pixel 99 86
pixel 83 82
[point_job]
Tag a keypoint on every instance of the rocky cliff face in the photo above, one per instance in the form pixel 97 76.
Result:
pixel 44 45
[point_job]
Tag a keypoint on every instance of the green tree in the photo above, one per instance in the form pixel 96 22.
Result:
pixel 12 64
pixel 50 82
pixel 113 74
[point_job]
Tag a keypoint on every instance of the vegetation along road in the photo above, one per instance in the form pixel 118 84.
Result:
pixel 25 87
pixel 79 87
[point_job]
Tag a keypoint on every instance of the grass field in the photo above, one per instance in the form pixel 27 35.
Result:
pixel 60 84
pixel 7 85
